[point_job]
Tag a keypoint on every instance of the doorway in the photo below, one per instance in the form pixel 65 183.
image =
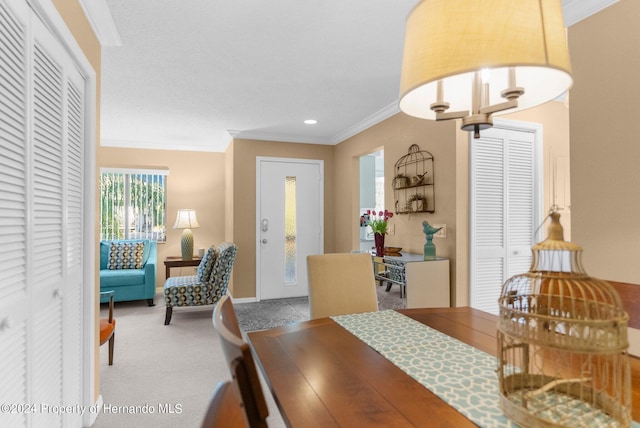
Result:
pixel 371 193
pixel 289 224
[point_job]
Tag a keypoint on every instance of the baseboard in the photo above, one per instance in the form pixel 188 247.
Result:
pixel 243 299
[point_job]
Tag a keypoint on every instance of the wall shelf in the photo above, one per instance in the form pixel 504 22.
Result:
pixel 413 184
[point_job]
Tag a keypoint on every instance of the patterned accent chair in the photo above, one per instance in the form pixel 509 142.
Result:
pixel 205 288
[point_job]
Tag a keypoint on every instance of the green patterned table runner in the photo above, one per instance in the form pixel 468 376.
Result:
pixel 461 375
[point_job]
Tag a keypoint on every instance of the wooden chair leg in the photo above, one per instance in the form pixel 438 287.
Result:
pixel 167 315
pixel 111 343
pixel 150 302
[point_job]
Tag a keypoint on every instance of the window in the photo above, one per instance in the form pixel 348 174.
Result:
pixel 133 204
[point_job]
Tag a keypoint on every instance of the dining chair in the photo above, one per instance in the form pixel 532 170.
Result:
pixel 341 283
pixel 241 364
pixel 224 409
pixel 108 326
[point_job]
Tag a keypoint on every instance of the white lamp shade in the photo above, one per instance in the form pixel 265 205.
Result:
pixel 449 40
pixel 186 219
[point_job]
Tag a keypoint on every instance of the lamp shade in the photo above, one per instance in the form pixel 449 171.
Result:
pixel 186 219
pixel 448 41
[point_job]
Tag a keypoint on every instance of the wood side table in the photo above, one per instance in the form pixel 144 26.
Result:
pixel 176 261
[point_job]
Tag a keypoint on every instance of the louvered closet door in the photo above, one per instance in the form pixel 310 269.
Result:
pixel 14 293
pixel 73 251
pixel 41 222
pixel 504 210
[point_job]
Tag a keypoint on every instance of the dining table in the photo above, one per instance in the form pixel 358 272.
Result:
pixel 322 375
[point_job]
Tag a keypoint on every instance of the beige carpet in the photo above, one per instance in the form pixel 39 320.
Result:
pixel 163 376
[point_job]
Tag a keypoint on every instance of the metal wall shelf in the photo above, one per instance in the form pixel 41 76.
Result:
pixel 413 184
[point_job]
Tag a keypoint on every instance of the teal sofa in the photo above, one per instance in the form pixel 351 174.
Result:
pixel 128 268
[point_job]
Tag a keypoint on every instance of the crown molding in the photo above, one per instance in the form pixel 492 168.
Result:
pixel 155 145
pixel 377 117
pixel 101 21
pixel 285 138
pixel 577 10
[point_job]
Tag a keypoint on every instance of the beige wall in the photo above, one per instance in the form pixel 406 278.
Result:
pixel 605 151
pixel 450 149
pixel 395 135
pixel 244 200
pixel 554 116
pixel 196 180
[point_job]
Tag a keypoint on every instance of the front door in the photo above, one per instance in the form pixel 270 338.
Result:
pixel 289 224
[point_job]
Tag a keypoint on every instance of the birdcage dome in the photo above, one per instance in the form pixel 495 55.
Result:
pixel 562 339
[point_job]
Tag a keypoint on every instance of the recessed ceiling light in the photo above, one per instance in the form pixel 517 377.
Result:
pixel 310 121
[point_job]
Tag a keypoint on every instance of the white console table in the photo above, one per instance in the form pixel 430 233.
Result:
pixel 423 283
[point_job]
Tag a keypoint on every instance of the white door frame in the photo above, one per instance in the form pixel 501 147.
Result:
pixel 259 160
pixel 517 125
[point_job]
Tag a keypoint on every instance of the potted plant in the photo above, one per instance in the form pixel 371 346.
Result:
pixel 415 203
pixel 378 223
pixel 400 181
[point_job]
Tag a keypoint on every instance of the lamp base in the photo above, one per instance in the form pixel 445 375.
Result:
pixel 186 243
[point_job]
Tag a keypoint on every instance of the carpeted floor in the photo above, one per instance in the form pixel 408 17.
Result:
pixel 163 376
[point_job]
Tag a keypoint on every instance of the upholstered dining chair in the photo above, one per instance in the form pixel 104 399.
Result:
pixel 108 325
pixel 224 409
pixel 205 288
pixel 341 283
pixel 241 364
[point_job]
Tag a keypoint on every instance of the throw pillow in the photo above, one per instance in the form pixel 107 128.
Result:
pixel 126 255
pixel 206 265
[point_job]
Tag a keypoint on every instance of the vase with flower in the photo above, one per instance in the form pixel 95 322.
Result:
pixel 379 223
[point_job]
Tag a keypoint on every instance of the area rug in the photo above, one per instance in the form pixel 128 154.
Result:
pixel 276 313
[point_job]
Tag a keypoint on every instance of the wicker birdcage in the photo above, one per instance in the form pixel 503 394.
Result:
pixel 562 343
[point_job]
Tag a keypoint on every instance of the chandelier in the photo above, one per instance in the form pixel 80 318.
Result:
pixel 471 59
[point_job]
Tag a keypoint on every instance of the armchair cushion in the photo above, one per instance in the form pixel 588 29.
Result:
pixel 126 255
pixel 206 264
pixel 188 291
pixel 121 277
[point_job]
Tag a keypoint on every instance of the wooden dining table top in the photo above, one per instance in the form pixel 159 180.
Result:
pixel 322 375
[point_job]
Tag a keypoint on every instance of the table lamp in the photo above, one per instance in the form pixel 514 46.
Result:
pixel 186 220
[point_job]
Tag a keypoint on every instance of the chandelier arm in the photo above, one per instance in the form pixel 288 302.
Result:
pixel 499 107
pixel 452 115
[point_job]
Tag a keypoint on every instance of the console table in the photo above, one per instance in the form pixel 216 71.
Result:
pixel 423 283
pixel 176 261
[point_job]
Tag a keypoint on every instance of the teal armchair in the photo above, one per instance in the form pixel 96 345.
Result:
pixel 128 268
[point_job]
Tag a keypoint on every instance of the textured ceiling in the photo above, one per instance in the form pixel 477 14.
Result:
pixel 190 74
pixel 190 71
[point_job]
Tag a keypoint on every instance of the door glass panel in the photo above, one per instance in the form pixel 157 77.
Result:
pixel 290 251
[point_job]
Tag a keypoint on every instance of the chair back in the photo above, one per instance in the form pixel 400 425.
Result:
pixel 224 409
pixel 243 369
pixel 341 283
pixel 221 271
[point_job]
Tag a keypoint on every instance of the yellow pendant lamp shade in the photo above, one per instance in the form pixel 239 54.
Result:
pixel 456 48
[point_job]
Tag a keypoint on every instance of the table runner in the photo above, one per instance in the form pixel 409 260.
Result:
pixel 461 375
